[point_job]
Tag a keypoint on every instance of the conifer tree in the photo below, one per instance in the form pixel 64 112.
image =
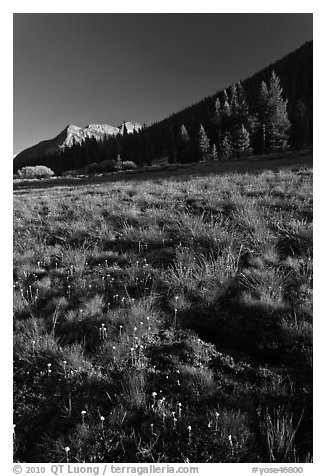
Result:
pixel 204 146
pixel 273 115
pixel 242 145
pixel 239 111
pixel 218 119
pixel 182 151
pixel 263 102
pixel 226 146
pixel 218 111
pixel 243 109
pixel 300 123
pixel 226 104
pixel 214 152
pixel 183 135
pixel 124 129
pixel 233 100
pixel 119 162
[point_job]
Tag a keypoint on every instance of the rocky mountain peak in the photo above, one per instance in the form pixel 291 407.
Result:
pixel 70 135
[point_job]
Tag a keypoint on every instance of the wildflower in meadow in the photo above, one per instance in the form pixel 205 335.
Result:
pixel 163 418
pixel 175 317
pixel 102 422
pixel 189 433
pixel 83 413
pixel 216 419
pixel 103 332
pixel 174 422
pixel 67 449
pixel 161 401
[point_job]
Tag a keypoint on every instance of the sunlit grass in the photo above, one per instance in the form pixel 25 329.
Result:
pixel 168 312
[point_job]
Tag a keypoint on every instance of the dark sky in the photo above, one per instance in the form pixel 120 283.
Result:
pixel 107 68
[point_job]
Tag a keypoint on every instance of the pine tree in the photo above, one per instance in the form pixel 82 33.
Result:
pixel 226 146
pixel 263 102
pixel 242 145
pixel 218 118
pixel 182 148
pixel 233 100
pixel 183 135
pixel 300 123
pixel 204 146
pixel 124 129
pixel 119 162
pixel 226 104
pixel 214 152
pixel 243 108
pixel 218 111
pixel 273 115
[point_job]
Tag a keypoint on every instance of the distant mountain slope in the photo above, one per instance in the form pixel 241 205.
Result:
pixel 295 71
pixel 70 135
pixel 75 149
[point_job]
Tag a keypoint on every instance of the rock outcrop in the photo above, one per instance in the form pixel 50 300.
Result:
pixel 70 135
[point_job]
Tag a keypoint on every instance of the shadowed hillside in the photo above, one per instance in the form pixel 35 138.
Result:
pixel 163 139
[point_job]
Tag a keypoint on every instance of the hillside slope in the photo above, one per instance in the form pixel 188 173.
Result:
pixel 162 139
pixel 295 71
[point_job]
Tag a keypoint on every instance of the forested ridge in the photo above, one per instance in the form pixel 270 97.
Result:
pixel 270 111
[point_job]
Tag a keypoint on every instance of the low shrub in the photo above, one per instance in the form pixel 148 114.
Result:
pixel 104 166
pixel 128 165
pixel 35 172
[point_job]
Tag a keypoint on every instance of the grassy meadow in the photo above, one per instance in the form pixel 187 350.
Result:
pixel 165 320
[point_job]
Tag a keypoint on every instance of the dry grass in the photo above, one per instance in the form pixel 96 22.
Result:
pixel 159 304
